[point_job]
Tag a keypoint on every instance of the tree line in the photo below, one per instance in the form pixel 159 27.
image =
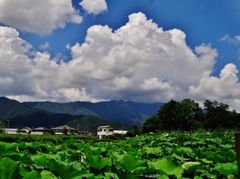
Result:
pixel 187 115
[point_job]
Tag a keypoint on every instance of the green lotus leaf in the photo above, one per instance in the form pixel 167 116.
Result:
pixel 205 161
pixel 129 163
pixel 117 156
pixel 227 169
pixel 10 151
pixel 46 174
pixel 9 169
pixel 33 174
pixel 64 170
pixel 190 166
pixel 198 177
pixel 179 157
pixel 168 167
pixel 125 175
pixel 97 162
pixel 163 177
pixel 153 150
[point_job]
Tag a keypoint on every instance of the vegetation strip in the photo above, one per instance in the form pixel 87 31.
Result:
pixel 196 155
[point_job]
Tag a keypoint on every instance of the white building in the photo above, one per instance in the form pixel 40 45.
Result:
pixel 104 131
pixel 40 131
pixel 120 132
pixel 62 129
pixel 25 130
pixel 11 130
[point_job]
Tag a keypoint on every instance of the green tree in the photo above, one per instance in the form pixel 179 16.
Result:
pixel 167 116
pixel 134 131
pixel 182 115
pixel 217 115
pixel 188 115
pixel 234 120
pixel 152 124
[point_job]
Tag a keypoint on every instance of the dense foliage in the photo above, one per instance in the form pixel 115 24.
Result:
pixel 176 155
pixel 187 115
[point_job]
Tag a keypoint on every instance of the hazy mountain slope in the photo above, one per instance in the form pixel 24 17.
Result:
pixel 10 108
pixel 67 108
pixel 20 115
pixel 124 112
pixel 145 108
pixel 41 118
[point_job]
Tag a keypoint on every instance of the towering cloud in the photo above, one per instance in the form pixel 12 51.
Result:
pixel 38 16
pixel 139 61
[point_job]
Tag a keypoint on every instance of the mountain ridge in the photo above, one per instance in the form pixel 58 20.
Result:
pixel 127 112
pixel 48 114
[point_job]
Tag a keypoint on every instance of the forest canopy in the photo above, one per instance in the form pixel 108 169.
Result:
pixel 187 115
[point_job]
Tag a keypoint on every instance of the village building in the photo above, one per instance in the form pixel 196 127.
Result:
pixel 25 130
pixel 104 131
pixel 122 132
pixel 82 133
pixel 40 131
pixel 64 130
pixel 11 130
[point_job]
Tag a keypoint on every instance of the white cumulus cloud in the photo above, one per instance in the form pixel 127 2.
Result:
pixel 225 88
pixel 137 58
pixel 94 6
pixel 38 16
pixel 139 61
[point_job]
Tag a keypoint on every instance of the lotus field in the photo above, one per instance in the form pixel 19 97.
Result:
pixel 176 155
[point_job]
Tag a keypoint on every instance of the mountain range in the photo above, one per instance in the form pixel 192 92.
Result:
pixel 82 115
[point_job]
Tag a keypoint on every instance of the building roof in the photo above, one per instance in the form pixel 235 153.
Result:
pixel 64 127
pixel 100 127
pixel 40 129
pixel 82 132
pixel 25 129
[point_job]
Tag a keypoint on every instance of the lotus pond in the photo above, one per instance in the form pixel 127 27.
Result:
pixel 176 155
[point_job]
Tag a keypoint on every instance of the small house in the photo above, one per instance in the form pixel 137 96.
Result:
pixel 40 131
pixel 25 130
pixel 64 130
pixel 11 130
pixel 82 133
pixel 104 131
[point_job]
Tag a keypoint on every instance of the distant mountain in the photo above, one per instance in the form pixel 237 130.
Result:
pixel 41 118
pixel 20 115
pixel 85 114
pixel 127 112
pixel 10 108
pixel 65 108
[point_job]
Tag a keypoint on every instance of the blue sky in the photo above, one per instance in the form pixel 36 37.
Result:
pixel 141 50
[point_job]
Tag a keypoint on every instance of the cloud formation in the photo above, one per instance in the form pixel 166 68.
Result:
pixel 38 16
pixel 94 6
pixel 231 40
pixel 138 61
